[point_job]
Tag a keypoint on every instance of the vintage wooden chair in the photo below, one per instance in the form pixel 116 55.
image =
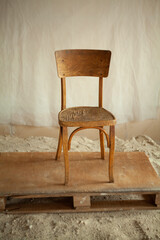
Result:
pixel 94 63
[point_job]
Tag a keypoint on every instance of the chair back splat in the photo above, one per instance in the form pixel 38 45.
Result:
pixel 92 63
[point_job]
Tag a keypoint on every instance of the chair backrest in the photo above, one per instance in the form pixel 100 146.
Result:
pixel 82 62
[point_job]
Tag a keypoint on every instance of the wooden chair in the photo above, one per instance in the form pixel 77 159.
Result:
pixel 95 63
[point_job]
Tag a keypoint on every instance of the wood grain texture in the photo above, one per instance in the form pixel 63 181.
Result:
pixel 83 63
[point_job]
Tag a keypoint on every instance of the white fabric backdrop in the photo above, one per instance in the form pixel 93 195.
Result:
pixel 30 32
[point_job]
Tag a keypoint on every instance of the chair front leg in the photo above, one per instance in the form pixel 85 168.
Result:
pixel 65 153
pixel 111 153
pixel 59 148
pixel 101 135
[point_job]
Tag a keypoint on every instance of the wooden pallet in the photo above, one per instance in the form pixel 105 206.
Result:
pixel 34 183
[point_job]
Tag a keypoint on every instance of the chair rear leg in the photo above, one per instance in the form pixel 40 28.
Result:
pixel 59 148
pixel 111 153
pixel 65 153
pixel 101 135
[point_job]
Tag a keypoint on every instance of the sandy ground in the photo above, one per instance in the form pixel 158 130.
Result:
pixel 96 226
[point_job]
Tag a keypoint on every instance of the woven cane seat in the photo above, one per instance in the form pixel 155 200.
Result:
pixel 86 116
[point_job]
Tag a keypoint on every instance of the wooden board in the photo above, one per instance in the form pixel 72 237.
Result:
pixel 37 175
pixel 66 205
pixel 83 62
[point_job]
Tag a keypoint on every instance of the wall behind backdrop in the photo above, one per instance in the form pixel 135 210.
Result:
pixel 30 32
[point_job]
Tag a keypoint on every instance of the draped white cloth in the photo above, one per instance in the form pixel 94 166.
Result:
pixel 30 32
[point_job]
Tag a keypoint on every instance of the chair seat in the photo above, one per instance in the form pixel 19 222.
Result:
pixel 86 117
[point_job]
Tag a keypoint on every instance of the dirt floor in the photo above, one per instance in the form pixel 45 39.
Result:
pixel 86 226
